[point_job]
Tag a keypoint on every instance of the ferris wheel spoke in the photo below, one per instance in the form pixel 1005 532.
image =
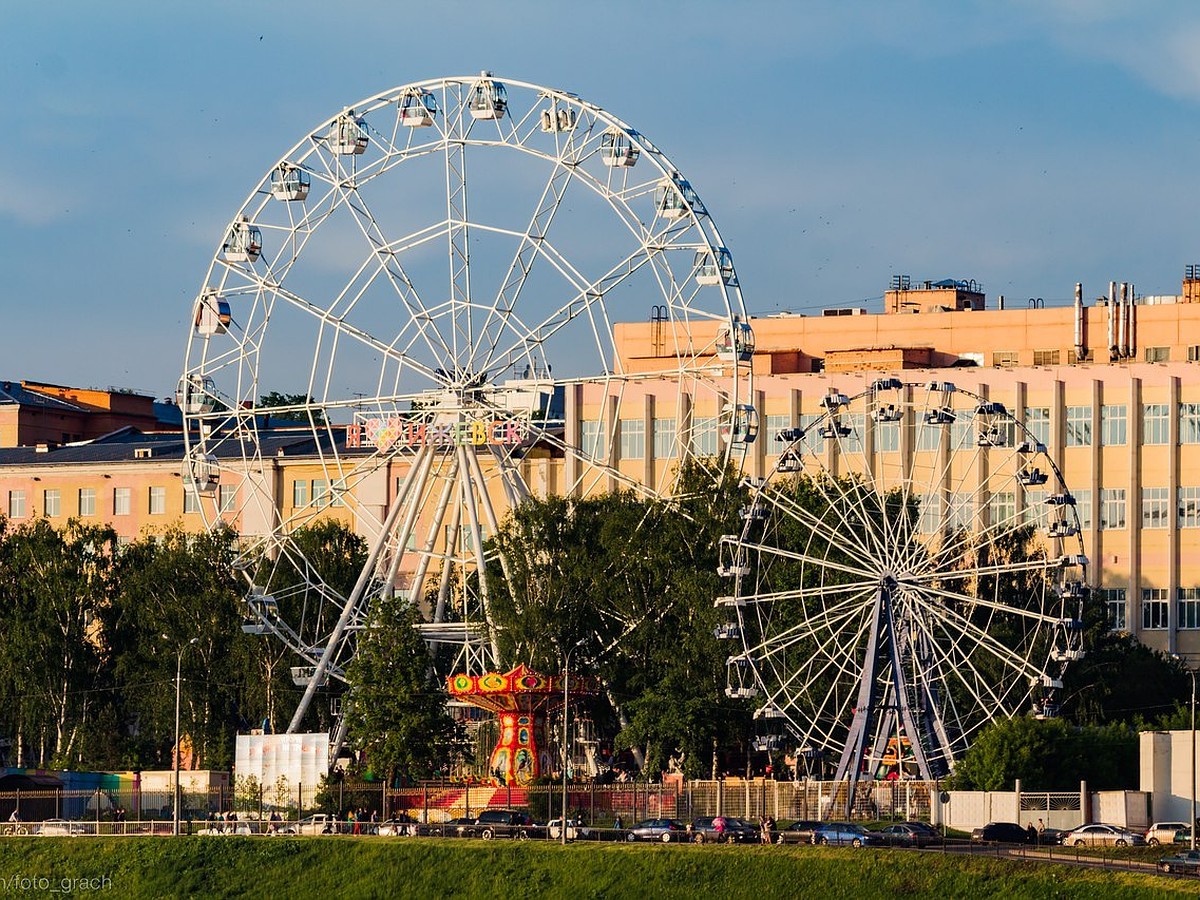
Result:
pixel 818 591
pixel 949 664
pixel 809 560
pixel 1011 568
pixel 977 601
pixel 959 624
pixel 841 505
pixel 789 505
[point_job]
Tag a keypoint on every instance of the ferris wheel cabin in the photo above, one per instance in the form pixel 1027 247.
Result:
pixel 289 182
pixel 200 474
pixel 713 268
pixel 212 314
pixel 417 108
pixel 735 341
pixel 243 243
pixel 558 119
pixel 196 394
pixel 616 149
pixel 348 135
pixel 675 198
pixel 739 423
pixel 489 99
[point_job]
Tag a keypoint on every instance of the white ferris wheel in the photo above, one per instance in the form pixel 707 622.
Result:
pixel 911 569
pixel 437 273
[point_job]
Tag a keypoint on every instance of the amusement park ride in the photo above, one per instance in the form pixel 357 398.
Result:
pixel 438 269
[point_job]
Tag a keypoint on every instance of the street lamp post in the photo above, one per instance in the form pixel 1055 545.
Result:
pixel 1192 826
pixel 175 753
pixel 562 825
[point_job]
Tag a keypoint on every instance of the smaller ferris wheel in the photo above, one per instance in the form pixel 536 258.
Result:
pixel 912 569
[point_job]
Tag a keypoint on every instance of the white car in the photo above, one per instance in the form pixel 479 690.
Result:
pixel 321 823
pixel 1101 836
pixel 60 828
pixel 1164 832
pixel 575 829
pixel 398 828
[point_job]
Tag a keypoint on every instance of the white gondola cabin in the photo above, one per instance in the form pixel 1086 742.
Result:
pixel 556 119
pixel 201 474
pixel 348 135
pixel 243 243
pixel 212 313
pixel 675 198
pixel 616 149
pixel 289 182
pixel 418 107
pixel 713 267
pixel 739 424
pixel 196 394
pixel 735 341
pixel 489 99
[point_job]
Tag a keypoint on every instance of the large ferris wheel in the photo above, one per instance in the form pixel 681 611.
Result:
pixel 911 570
pixel 434 276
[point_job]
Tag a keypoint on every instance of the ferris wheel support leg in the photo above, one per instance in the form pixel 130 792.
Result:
pixel 480 563
pixel 352 601
pixel 850 765
pixel 413 487
pixel 489 510
pixel 435 527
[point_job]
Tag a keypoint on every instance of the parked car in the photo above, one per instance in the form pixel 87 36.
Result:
pixel 1187 862
pixel 665 830
pixel 737 831
pixel 1165 832
pixel 60 828
pixel 1100 835
pixel 455 827
pixel 491 823
pixel 846 834
pixel 319 823
pixel 909 834
pixel 575 829
pixel 1001 833
pixel 800 832
pixel 400 826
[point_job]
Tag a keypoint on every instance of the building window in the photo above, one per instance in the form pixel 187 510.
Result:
pixel 1083 507
pixel 1112 425
pixel 122 501
pixel 704 436
pixel 158 501
pixel 191 499
pixel 812 441
pixel 1079 426
pixel 665 438
pixel 961 514
pixel 1037 421
pixel 51 502
pixel 227 494
pixel 1188 610
pixel 929 437
pixel 1189 423
pixel 593 441
pixel 300 493
pixel 887 437
pixel 1045 357
pixel 1004 359
pixel 320 489
pixel 1189 507
pixel 633 438
pixel 1115 606
pixel 87 501
pixel 1194 353
pixel 1156 428
pixel 853 442
pixel 1158 354
pixel 1035 508
pixel 962 430
pixel 1156 507
pixel 929 515
pixel 1002 510
pixel 1154 608
pixel 16 504
pixel 1112 508
pixel 337 493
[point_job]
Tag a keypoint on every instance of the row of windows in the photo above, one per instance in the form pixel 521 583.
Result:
pixel 318 490
pixel 1155 608
pixel 122 501
pixel 1007 359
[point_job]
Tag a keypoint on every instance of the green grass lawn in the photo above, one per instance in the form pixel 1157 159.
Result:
pixel 383 867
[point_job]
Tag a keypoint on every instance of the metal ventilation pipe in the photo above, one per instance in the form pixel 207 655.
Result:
pixel 1132 323
pixel 1080 341
pixel 1000 302
pixel 1112 320
pixel 1123 320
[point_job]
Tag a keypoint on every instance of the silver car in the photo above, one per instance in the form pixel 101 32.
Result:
pixel 1099 835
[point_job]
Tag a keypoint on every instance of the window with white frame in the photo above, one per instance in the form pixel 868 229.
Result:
pixel 1112 508
pixel 51 502
pixel 1189 507
pixel 320 492
pixel 191 499
pixel 337 493
pixel 633 438
pixel 1156 427
pixel 87 501
pixel 157 501
pixel 1002 510
pixel 962 430
pixel 929 513
pixel 300 493
pixel 1189 423
pixel 227 497
pixel 1155 603
pixel 666 434
pixel 1113 425
pixel 887 437
pixel 961 514
pixel 704 436
pixel 1037 421
pixel 1034 512
pixel 853 442
pixel 592 436
pixel 1083 507
pixel 1115 607
pixel 16 504
pixel 1079 426
pixel 122 501
pixel 929 437
pixel 1188 608
pixel 1156 507
pixel 812 442
pixel 776 424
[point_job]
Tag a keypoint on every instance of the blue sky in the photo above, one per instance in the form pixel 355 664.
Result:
pixel 1028 144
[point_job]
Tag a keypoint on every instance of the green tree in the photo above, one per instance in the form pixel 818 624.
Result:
pixel 292 407
pixel 396 710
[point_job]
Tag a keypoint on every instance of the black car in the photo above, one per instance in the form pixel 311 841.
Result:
pixel 908 834
pixel 1001 833
pixel 665 830
pixel 800 832
pixel 1187 862
pixel 737 831
pixel 492 823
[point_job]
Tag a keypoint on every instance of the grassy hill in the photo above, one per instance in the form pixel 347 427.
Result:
pixel 329 868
